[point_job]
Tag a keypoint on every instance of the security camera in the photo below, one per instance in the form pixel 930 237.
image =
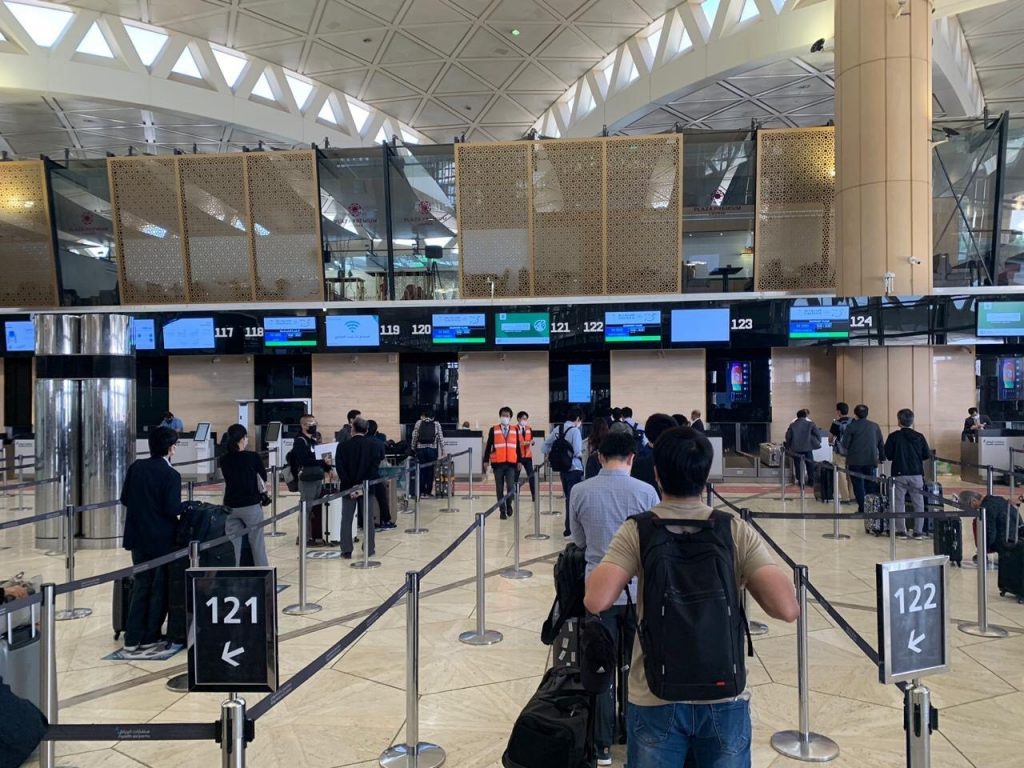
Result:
pixel 914 260
pixel 822 45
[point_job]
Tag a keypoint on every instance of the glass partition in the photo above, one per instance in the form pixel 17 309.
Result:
pixel 1011 237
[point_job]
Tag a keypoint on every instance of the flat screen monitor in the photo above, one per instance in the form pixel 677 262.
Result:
pixel 468 328
pixel 827 323
pixel 285 332
pixel 697 326
pixel 738 381
pixel 20 335
pixel 202 431
pixel 1010 378
pixel 189 333
pixel 533 328
pixel 143 334
pixel 579 383
pixel 353 330
pixel 638 327
pixel 1000 318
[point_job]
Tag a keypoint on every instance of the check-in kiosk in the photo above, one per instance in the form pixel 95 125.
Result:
pixel 457 441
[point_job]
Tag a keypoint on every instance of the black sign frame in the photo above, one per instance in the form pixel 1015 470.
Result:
pixel 898 641
pixel 213 668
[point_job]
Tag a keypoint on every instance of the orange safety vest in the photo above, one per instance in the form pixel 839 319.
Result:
pixel 505 447
pixel 526 442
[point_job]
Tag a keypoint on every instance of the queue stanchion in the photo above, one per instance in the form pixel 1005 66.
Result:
pixel 470 496
pixel 179 683
pixel 413 753
pixel 48 701
pixel 274 489
pixel 366 563
pixel 536 535
pixel 21 482
pixel 917 720
pixel 516 572
pixel 481 635
pixel 803 744
pixel 981 628
pixel 407 509
pixel 450 461
pixel 232 732
pixel 303 606
pixel 753 627
pixel 801 477
pixel 836 535
pixel 891 491
pixel 551 493
pixel 416 527
pixel 190 489
pixel 782 480
pixel 70 612
pixel 62 548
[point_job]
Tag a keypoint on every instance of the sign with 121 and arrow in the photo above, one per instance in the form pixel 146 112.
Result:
pixel 913 618
pixel 232 637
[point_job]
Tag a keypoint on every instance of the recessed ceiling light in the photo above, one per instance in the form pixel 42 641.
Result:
pixel 516 33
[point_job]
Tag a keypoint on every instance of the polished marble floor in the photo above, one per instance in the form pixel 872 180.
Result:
pixel 348 713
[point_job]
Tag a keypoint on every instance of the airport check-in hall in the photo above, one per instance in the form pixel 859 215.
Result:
pixel 523 383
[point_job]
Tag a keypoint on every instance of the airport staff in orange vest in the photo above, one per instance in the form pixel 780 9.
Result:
pixel 526 451
pixel 503 453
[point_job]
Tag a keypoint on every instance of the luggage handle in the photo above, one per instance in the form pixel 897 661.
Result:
pixel 1016 530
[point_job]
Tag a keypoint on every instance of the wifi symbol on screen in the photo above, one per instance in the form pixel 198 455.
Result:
pixel 353 326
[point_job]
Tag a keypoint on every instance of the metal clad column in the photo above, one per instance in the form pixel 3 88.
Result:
pixel 107 425
pixel 56 422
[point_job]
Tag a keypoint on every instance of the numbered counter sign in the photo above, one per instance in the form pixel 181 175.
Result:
pixel 913 618
pixel 232 621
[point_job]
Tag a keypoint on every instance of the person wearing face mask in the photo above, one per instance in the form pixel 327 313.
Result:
pixel 245 478
pixel 526 452
pixel 504 453
pixel 310 470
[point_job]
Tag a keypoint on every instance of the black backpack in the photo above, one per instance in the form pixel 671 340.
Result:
pixel 428 432
pixel 556 727
pixel 638 435
pixel 570 586
pixel 694 628
pixel 561 454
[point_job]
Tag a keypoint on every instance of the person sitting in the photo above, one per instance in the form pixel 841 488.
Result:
pixel 173 422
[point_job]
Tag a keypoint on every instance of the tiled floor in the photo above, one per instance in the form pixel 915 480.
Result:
pixel 349 713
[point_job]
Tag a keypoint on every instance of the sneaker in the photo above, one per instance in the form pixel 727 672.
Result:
pixel 902 535
pixel 604 756
pixel 389 526
pixel 346 555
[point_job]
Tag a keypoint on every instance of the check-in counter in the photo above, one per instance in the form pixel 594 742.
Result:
pixel 992 449
pixel 718 462
pixel 459 440
pixel 187 450
pixel 25 457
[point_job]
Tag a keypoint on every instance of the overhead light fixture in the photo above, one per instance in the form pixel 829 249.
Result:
pixel 516 32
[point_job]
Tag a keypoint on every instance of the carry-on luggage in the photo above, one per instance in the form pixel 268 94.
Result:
pixel 1011 560
pixel 948 539
pixel 874 504
pixel 771 454
pixel 565 651
pixel 20 655
pixel 22 727
pixel 122 602
pixel 556 727
pixel 824 483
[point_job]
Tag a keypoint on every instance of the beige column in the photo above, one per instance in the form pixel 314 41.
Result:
pixel 883 146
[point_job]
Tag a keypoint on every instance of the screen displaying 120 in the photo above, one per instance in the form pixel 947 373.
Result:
pixel 819 322
pixel 460 329
pixel 632 327
pixel 522 328
pixel 289 332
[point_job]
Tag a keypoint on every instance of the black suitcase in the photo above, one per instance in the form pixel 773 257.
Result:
pixel 122 602
pixel 824 483
pixel 932 504
pixel 948 539
pixel 556 727
pixel 874 504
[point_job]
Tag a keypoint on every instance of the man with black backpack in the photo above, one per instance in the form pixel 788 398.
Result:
pixel 564 449
pixel 427 446
pixel 689 653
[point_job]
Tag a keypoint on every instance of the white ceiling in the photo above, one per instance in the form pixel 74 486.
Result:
pixel 995 36
pixel 446 67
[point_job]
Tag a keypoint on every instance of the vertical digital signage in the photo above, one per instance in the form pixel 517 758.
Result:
pixel 1010 378
pixel 20 335
pixel 738 381
pixel 579 383
pixel 143 334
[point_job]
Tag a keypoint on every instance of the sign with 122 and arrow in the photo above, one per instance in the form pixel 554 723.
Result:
pixel 913 618
pixel 232 629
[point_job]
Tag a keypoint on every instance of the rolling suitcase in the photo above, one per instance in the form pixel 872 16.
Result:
pixel 932 504
pixel 122 601
pixel 1011 560
pixel 20 656
pixel 824 483
pixel 771 454
pixel 556 727
pixel 948 539
pixel 874 504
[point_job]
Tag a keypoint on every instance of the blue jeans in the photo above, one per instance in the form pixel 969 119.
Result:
pixel 718 735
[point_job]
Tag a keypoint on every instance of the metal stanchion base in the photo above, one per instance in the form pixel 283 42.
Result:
pixel 400 756
pixel 470 497
pixel 516 573
pixel 417 530
pixel 815 748
pixel 365 565
pixel 450 509
pixel 74 613
pixel 757 628
pixel 973 628
pixel 178 683
pixel 537 536
pixel 553 512
pixel 275 535
pixel 300 609
pixel 835 536
pixel 487 637
pixel 55 553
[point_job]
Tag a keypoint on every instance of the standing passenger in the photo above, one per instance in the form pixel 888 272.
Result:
pixel 526 452
pixel 243 470
pixel 502 452
pixel 908 450
pixel 427 443
pixel 864 448
pixel 309 470
pixel 567 456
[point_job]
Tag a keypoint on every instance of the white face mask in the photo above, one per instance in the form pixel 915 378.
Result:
pixel 523 423
pixel 505 421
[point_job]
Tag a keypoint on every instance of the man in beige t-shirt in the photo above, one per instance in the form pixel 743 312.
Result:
pixel 662 733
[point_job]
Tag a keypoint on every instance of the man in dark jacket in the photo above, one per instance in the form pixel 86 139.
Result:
pixel 152 499
pixel 22 727
pixel 803 438
pixel 908 450
pixel 345 432
pixel 862 442
pixel 358 461
pixel 643 462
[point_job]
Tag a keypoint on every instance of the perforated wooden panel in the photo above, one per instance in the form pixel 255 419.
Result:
pixel 493 204
pixel 26 242
pixel 217 227
pixel 796 188
pixel 284 199
pixel 147 226
pixel 568 231
pixel 644 214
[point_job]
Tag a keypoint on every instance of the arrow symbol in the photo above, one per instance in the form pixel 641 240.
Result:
pixel 915 641
pixel 229 656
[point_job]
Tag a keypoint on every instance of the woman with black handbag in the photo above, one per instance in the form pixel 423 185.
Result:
pixel 245 494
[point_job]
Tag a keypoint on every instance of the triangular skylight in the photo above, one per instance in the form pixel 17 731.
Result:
pixel 186 65
pixel 44 25
pixel 147 42
pixel 262 88
pixel 382 135
pixel 627 69
pixel 327 113
pixel 300 90
pixel 651 43
pixel 749 11
pixel 710 8
pixel 408 138
pixel 231 66
pixel 2 38
pixel 359 116
pixel 586 99
pixel 778 5
pixel 95 44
